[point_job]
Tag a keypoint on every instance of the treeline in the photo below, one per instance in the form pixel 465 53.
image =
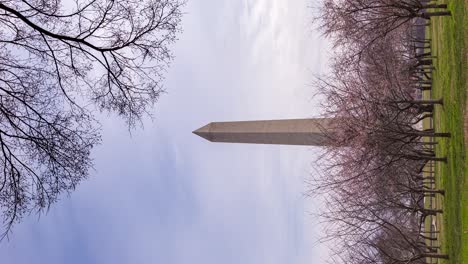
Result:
pixel 378 179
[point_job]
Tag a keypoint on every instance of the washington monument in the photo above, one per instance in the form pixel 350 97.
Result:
pixel 309 132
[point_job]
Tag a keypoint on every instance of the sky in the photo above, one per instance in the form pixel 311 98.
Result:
pixel 160 194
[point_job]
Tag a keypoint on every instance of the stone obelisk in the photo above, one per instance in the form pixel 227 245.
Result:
pixel 310 132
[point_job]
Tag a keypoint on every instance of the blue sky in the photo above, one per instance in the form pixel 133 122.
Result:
pixel 163 195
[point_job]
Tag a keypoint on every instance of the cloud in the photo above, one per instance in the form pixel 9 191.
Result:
pixel 163 195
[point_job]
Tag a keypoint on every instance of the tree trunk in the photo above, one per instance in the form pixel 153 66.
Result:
pixel 427 158
pixel 428 102
pixel 434 6
pixel 435 143
pixel 428 15
pixel 426 108
pixel 428 238
pixel 443 159
pixel 424 82
pixel 425 88
pixel 431 255
pixel 428 134
pixel 423 55
pixel 431 232
pixel 423 69
pixel 435 191
pixel 447 135
pixel 432 211
pixel 425 178
pixel 424 62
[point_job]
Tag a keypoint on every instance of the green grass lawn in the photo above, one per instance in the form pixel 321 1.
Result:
pixel 449 42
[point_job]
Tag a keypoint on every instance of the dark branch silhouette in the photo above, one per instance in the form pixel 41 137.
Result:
pixel 58 59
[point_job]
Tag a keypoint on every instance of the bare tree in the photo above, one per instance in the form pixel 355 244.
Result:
pixel 57 60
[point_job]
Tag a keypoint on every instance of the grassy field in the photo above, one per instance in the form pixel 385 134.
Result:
pixel 449 42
